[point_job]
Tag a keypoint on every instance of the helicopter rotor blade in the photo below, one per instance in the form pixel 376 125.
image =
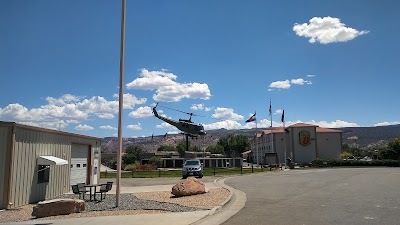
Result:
pixel 191 114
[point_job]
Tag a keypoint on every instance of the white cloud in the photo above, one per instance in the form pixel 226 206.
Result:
pixel 167 89
pixel 200 107
pixel 105 115
pixel 141 112
pixel 326 30
pixel 66 110
pixel 164 125
pixel 226 114
pixel 326 124
pixel 300 81
pixel 83 127
pixel 72 121
pixel 386 124
pixel 278 111
pixel 310 75
pixel 130 100
pixel 134 126
pixel 108 127
pixel 286 84
pixel 227 124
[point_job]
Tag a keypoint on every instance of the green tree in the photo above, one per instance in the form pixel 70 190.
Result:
pixel 181 148
pixel 388 153
pixel 345 155
pixel 215 149
pixel 196 149
pixel 166 148
pixel 395 145
pixel 234 144
pixel 132 154
pixel 156 160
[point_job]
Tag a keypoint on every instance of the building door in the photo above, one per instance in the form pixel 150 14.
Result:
pixel 79 163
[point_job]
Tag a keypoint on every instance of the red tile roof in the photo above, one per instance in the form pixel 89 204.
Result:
pixel 327 130
pixel 318 129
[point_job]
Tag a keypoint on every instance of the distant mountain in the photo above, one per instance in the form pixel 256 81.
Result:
pixel 370 136
pixel 359 136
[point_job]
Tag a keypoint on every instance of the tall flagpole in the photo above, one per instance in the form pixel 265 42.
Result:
pixel 272 134
pixel 284 136
pixel 121 103
pixel 255 113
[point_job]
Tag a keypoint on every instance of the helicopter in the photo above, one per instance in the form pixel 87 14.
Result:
pixel 186 126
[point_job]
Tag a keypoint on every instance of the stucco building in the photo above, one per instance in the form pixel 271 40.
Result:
pixel 38 164
pixel 303 143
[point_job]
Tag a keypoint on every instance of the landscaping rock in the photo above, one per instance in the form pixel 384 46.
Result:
pixel 58 207
pixel 190 186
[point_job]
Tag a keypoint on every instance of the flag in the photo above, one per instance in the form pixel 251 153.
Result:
pixel 165 137
pixel 270 108
pixel 283 116
pixel 252 118
pixel 152 136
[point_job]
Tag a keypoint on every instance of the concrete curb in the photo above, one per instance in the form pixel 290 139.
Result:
pixel 232 205
pixel 227 200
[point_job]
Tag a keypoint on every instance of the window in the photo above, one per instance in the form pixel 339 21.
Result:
pixel 84 165
pixel 72 165
pixel 78 165
pixel 43 174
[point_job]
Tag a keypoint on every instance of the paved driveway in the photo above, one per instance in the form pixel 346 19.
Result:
pixel 357 196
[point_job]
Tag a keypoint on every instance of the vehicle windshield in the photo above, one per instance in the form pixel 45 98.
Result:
pixel 191 163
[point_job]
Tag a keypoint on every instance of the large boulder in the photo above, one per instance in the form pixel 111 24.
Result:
pixel 58 207
pixel 190 186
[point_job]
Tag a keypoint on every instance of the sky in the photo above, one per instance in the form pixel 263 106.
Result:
pixel 329 63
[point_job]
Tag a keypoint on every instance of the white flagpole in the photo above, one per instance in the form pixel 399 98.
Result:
pixel 255 113
pixel 272 134
pixel 121 103
pixel 284 136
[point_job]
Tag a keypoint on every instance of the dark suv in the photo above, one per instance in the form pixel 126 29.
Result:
pixel 192 167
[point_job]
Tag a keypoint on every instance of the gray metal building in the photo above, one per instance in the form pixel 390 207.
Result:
pixel 38 163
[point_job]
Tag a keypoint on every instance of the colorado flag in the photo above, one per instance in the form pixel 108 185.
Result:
pixel 252 118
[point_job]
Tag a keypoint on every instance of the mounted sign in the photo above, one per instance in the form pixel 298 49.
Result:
pixel 304 138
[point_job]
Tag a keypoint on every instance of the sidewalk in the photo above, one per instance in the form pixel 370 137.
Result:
pixel 182 218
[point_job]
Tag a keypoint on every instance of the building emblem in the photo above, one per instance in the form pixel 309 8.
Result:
pixel 304 138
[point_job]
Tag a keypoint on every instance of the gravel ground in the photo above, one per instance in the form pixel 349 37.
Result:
pixel 150 202
pixel 213 198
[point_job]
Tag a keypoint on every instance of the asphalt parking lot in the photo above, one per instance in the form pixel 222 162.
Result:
pixel 340 196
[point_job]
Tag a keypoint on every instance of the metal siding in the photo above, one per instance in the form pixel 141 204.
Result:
pixel 4 142
pixel 31 143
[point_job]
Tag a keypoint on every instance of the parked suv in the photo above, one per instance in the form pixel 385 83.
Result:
pixel 192 167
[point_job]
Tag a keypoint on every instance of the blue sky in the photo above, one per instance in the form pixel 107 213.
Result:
pixel 333 64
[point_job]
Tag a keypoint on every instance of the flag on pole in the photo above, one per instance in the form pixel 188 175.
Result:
pixel 165 137
pixel 283 116
pixel 252 118
pixel 152 136
pixel 270 108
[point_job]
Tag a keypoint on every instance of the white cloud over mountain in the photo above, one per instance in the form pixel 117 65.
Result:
pixel 326 30
pixel 68 109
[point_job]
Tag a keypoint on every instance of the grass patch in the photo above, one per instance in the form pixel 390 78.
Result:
pixel 178 173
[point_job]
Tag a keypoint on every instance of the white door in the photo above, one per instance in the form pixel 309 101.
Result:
pixel 79 163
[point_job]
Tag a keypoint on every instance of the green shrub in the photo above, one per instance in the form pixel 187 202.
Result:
pixel 340 162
